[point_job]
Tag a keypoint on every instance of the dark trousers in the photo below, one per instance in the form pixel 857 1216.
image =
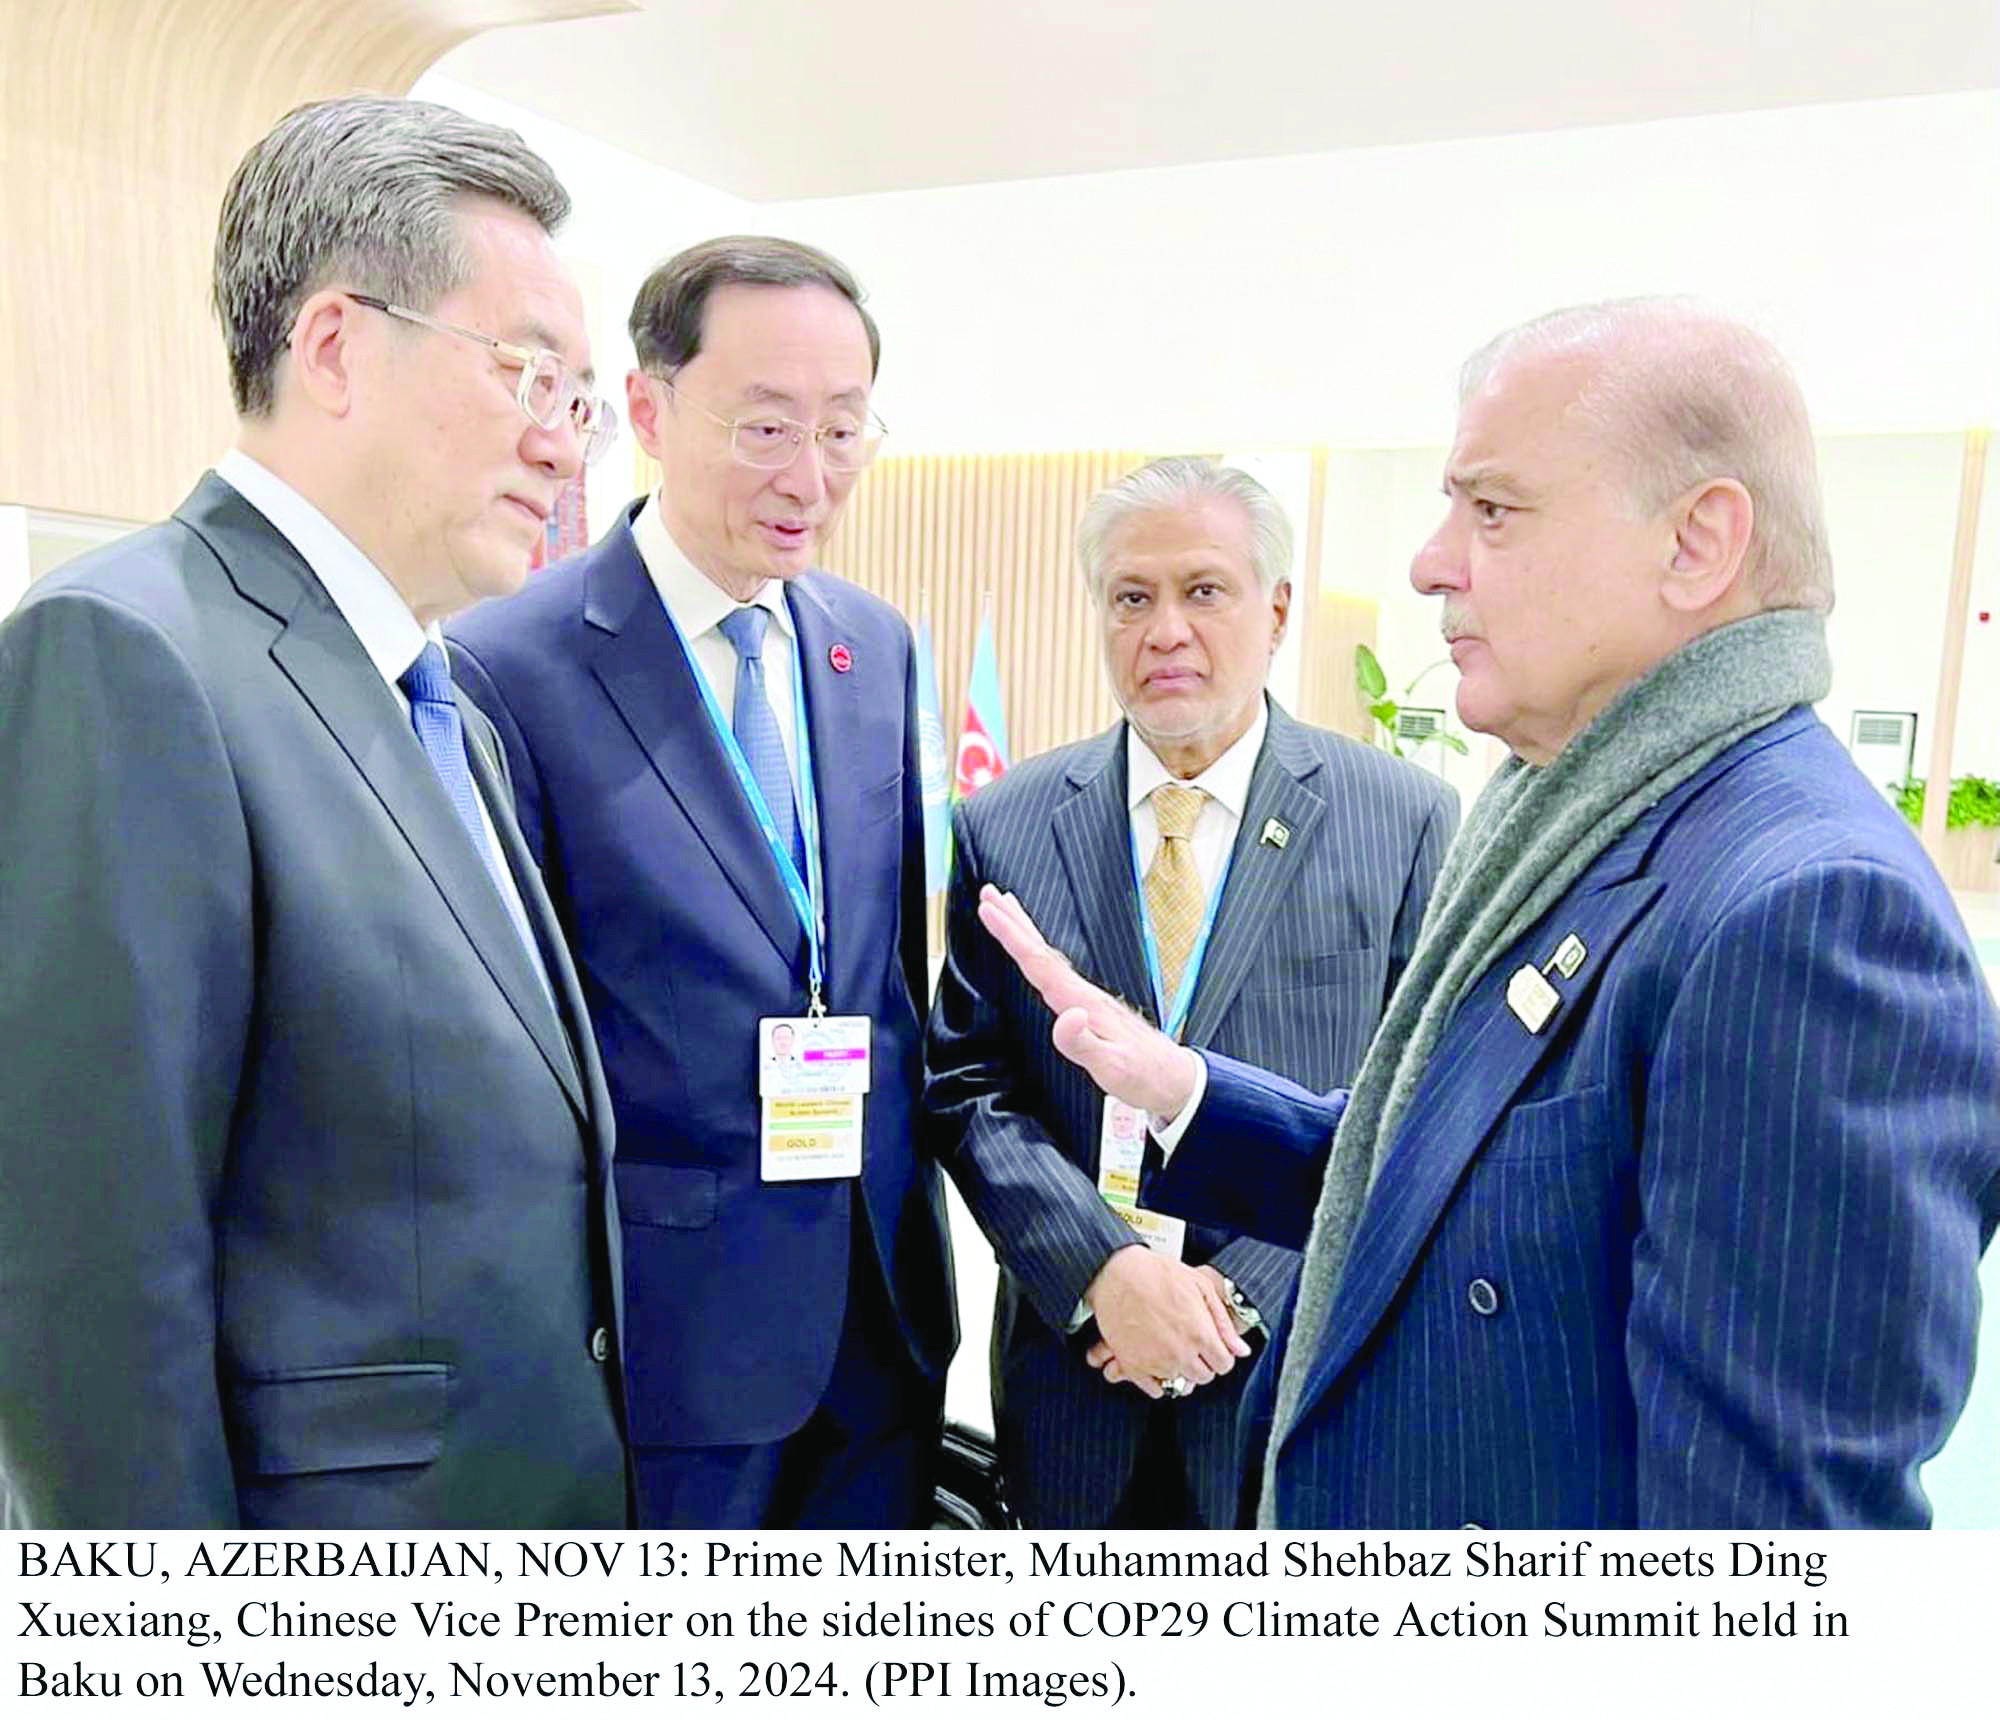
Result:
pixel 865 1459
pixel 1158 1495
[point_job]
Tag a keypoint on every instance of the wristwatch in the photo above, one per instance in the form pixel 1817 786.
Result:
pixel 1241 1310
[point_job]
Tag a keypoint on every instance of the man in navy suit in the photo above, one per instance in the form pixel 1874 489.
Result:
pixel 1315 855
pixel 1660 1197
pixel 714 761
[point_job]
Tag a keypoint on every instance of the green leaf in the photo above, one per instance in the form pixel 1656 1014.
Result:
pixel 1452 741
pixel 1384 712
pixel 1368 674
pixel 1974 803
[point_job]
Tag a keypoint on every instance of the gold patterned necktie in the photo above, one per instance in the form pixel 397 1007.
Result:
pixel 1174 896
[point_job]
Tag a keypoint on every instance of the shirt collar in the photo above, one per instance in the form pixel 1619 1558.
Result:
pixel 1227 781
pixel 360 590
pixel 691 597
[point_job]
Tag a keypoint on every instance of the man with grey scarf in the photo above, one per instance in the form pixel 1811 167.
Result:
pixel 1660 1197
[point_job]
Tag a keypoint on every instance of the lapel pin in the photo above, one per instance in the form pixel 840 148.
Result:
pixel 841 658
pixel 1275 833
pixel 1532 998
pixel 1569 956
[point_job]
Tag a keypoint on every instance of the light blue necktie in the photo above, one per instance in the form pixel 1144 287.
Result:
pixel 434 715
pixel 756 726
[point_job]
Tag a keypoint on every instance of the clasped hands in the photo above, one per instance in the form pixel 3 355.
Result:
pixel 1157 1320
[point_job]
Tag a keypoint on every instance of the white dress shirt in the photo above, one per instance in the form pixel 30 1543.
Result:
pixel 1226 783
pixel 700 606
pixel 372 607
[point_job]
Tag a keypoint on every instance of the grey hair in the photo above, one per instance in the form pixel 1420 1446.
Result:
pixel 361 191
pixel 1681 395
pixel 1183 481
pixel 667 315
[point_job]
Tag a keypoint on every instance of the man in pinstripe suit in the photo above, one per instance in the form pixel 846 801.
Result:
pixel 1252 881
pixel 1660 1197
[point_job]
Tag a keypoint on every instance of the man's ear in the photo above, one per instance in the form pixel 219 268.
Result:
pixel 1711 540
pixel 1281 611
pixel 642 411
pixel 321 359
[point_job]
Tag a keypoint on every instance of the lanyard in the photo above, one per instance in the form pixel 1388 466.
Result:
pixel 1171 1022
pixel 807 893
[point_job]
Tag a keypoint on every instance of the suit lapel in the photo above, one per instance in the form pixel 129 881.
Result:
pixel 833 718
pixel 1093 832
pixel 640 663
pixel 1486 1056
pixel 318 652
pixel 550 1037
pixel 1282 787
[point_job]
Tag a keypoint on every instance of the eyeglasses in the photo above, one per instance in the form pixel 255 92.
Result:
pixel 770 443
pixel 550 392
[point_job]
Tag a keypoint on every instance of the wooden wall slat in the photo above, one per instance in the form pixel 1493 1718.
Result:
pixel 122 125
pixel 960 532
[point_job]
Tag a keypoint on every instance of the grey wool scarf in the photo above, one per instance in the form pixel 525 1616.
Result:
pixel 1531 834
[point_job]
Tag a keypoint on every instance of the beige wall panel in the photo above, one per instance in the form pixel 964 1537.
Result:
pixel 1339 622
pixel 947 535
pixel 120 122
pixel 1944 729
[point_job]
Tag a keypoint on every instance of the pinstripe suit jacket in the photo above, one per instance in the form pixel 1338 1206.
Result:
pixel 1308 943
pixel 1703 1253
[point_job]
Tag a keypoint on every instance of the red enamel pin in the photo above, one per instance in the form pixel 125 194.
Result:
pixel 841 658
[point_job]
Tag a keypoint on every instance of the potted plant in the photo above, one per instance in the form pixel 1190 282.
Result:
pixel 1971 829
pixel 1388 732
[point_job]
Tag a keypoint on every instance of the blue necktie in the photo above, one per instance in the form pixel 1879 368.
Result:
pixel 434 715
pixel 756 726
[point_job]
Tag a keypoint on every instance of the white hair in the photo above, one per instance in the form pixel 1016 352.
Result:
pixel 1683 394
pixel 1185 481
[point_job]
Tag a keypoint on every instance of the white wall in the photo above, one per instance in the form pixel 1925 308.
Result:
pixel 1329 298
pixel 1892 507
pixel 628 215
pixel 1269 306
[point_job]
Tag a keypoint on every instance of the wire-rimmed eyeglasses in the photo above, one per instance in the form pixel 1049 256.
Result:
pixel 769 441
pixel 549 392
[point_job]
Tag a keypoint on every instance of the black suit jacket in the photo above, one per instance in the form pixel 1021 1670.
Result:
pixel 308 1214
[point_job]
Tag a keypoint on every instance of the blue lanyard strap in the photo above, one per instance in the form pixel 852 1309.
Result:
pixel 807 894
pixel 1172 1021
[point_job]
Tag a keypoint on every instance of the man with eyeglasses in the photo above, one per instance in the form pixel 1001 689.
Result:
pixel 714 759
pixel 306 1148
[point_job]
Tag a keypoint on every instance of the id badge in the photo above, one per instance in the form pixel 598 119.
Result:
pixel 1159 1231
pixel 812 1077
pixel 1121 1155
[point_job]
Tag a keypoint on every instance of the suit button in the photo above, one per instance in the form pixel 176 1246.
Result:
pixel 1484 1298
pixel 600 1345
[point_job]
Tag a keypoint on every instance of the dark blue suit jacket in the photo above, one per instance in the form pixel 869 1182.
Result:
pixel 736 1289
pixel 1309 941
pixel 1703 1253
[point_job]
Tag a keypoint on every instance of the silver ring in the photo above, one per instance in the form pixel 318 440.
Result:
pixel 1177 1387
